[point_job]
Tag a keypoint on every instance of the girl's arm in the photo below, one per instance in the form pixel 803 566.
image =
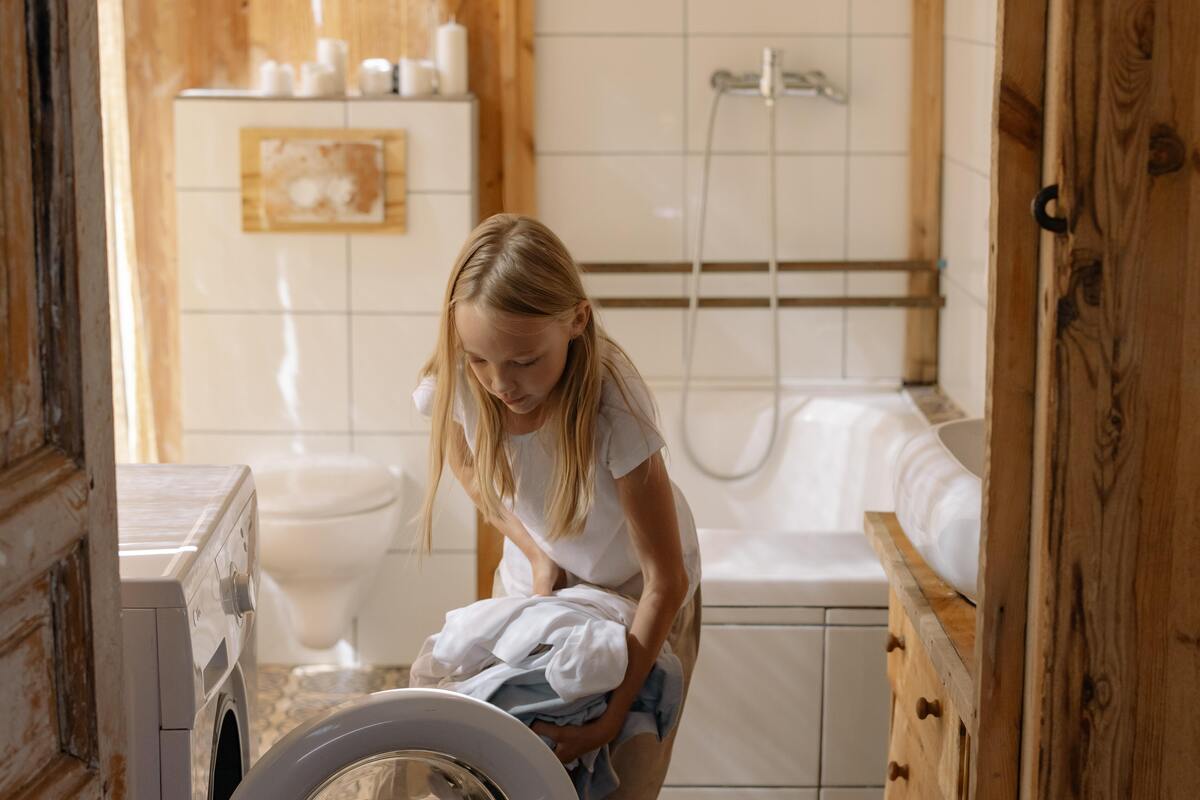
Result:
pixel 649 505
pixel 546 573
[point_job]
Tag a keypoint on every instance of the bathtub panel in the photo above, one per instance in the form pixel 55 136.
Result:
pixel 760 686
pixel 857 706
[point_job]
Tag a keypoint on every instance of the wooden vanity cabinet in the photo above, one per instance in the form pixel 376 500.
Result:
pixel 930 630
pixel 928 745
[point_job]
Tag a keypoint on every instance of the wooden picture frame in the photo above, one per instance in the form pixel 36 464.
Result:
pixel 260 216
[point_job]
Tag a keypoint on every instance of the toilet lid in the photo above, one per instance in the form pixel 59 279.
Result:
pixel 323 485
pixel 405 744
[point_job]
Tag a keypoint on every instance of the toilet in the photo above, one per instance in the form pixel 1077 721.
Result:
pixel 325 523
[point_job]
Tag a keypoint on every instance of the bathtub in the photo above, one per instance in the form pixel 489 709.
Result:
pixel 790 693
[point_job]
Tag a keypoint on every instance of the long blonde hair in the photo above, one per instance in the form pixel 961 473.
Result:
pixel 517 265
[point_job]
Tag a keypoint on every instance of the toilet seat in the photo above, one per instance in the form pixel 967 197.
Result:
pixel 506 757
pixel 321 486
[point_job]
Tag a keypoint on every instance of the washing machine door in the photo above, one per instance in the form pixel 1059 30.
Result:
pixel 409 744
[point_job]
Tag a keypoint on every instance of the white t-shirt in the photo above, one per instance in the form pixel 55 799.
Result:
pixel 603 554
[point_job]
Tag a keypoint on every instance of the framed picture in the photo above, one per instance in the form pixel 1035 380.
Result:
pixel 323 179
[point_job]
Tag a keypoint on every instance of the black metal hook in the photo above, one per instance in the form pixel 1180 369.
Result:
pixel 1052 224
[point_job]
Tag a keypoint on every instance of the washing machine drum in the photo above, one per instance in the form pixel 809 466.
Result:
pixel 409 744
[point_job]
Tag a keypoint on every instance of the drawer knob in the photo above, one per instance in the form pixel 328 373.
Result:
pixel 928 708
pixel 894 642
pixel 897 771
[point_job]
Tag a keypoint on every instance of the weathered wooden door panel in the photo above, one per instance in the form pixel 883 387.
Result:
pixel 61 728
pixel 1117 522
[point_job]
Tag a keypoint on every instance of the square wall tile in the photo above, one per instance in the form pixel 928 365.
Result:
pixel 810 214
pixel 255 448
pixel 439 134
pixel 880 93
pixel 221 268
pixel 409 271
pixel 265 372
pixel 389 351
pixel 454 513
pixel 767 16
pixel 614 208
pixel 878 208
pixel 609 94
pixel 737 343
pixel 408 602
pixel 880 16
pixel 611 16
pixel 875 342
pixel 972 19
pixel 966 227
pixel 967 117
pixel 856 707
pixel 207 133
pixel 962 351
pixel 802 124
pixel 653 338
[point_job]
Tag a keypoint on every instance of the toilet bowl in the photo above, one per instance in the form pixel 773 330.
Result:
pixel 325 522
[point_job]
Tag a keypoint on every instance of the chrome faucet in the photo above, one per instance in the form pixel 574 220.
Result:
pixel 773 82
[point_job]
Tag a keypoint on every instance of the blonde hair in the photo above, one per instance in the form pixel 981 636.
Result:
pixel 517 265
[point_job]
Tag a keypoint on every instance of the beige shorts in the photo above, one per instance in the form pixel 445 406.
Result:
pixel 641 762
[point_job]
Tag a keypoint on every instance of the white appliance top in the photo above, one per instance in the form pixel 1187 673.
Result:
pixel 170 518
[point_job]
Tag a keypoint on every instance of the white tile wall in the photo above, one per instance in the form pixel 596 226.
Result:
pixel 620 93
pixel 298 343
pixel 966 196
pixel 622 112
pixel 614 208
pixel 223 269
pixel 408 272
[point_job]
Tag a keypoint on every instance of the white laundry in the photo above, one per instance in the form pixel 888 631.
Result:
pixel 578 635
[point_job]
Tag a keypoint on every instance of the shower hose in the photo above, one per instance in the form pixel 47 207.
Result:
pixel 694 299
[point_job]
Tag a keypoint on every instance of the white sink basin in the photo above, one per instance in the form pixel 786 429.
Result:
pixel 939 499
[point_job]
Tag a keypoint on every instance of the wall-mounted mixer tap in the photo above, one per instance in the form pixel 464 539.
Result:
pixel 773 82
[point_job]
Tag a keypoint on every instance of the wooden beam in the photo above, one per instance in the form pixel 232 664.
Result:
pixel 685 267
pixel 1012 364
pixel 517 106
pixel 840 301
pixel 925 186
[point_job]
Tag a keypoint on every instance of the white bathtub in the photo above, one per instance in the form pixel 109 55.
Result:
pixel 790 689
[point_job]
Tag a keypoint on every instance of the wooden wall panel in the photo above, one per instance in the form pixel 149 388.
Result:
pixel 1118 617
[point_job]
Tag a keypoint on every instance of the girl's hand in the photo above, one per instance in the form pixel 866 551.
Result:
pixel 547 576
pixel 573 741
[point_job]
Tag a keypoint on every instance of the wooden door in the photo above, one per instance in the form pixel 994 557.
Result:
pixel 61 724
pixel 1115 612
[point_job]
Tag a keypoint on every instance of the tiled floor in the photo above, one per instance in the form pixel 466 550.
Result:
pixel 289 695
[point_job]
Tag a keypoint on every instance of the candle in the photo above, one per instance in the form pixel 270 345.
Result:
pixel 333 52
pixel 416 77
pixel 317 80
pixel 452 58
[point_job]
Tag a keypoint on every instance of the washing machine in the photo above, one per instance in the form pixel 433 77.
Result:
pixel 189 575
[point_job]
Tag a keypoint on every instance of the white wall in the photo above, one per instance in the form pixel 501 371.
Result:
pixel 622 104
pixel 304 343
pixel 970 40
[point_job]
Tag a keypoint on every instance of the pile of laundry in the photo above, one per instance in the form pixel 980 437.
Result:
pixel 555 659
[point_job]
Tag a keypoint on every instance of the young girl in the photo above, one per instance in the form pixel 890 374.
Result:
pixel 549 427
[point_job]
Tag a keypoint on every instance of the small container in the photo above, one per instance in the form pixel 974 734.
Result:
pixel 375 77
pixel 416 77
pixel 317 80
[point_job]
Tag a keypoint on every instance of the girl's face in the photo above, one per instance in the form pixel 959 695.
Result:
pixel 518 359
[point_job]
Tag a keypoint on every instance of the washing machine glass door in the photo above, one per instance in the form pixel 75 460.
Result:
pixel 409 744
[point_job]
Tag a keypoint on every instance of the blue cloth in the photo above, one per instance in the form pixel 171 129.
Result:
pixel 655 710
